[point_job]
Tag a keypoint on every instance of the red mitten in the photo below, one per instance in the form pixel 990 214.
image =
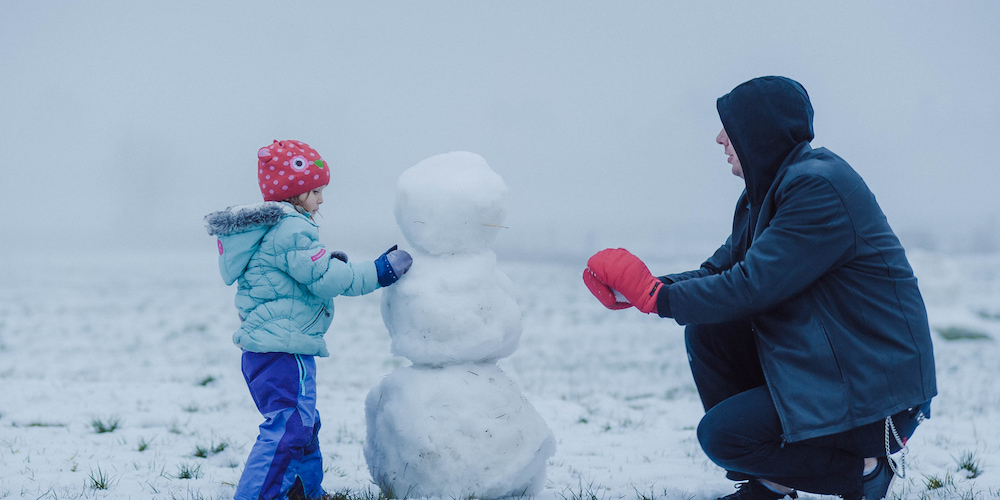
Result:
pixel 619 270
pixel 603 292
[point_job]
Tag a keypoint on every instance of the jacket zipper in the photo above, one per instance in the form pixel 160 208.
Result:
pixel 314 320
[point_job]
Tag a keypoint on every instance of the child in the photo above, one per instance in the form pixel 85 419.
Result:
pixel 287 281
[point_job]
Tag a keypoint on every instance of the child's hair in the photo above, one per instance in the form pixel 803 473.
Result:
pixel 297 202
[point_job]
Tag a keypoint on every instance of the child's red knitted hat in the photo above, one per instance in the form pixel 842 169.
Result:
pixel 290 168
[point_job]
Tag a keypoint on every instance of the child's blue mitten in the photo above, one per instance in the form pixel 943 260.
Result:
pixel 391 265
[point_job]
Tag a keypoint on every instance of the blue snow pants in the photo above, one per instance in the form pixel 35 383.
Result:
pixel 283 387
pixel 742 433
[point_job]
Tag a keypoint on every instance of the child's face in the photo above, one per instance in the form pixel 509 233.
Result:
pixel 313 199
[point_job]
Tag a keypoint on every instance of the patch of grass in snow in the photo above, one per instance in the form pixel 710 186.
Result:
pixel 643 496
pixel 212 449
pixel 582 492
pixel 103 426
pixel 950 491
pixel 962 333
pixel 219 448
pixel 194 495
pixel 969 467
pixel 937 482
pixel 350 495
pixel 200 452
pixel 620 425
pixel 970 464
pixel 143 444
pixel 335 470
pixel 44 424
pixel 101 480
pixel 207 380
pixel 665 493
pixel 987 315
pixel 187 471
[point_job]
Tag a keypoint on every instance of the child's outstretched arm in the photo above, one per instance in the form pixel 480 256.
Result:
pixel 389 267
pixel 307 261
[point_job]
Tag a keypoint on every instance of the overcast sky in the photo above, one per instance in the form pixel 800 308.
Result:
pixel 122 123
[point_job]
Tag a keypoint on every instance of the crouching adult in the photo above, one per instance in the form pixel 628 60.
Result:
pixel 806 333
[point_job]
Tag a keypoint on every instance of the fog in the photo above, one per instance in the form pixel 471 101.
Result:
pixel 123 123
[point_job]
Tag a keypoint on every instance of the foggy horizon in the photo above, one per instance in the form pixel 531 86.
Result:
pixel 125 123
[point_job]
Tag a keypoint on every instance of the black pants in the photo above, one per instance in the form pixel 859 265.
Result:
pixel 741 431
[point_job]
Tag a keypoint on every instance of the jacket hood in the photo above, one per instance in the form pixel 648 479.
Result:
pixel 244 218
pixel 240 231
pixel 765 118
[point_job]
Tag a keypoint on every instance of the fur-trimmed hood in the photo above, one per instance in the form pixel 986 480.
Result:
pixel 240 230
pixel 245 218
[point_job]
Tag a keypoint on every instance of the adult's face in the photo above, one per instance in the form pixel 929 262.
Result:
pixel 734 160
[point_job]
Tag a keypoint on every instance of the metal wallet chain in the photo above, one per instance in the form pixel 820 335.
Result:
pixel 890 429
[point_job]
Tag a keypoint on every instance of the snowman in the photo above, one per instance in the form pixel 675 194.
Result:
pixel 452 424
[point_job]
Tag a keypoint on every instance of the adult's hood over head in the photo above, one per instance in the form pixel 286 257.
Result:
pixel 765 118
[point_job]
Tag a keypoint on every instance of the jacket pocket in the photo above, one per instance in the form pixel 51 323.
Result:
pixel 319 316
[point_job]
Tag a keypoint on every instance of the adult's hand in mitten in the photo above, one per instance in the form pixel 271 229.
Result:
pixel 603 292
pixel 392 265
pixel 619 270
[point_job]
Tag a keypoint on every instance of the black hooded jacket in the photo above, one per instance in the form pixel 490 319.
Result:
pixel 841 328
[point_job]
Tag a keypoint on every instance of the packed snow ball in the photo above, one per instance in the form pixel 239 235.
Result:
pixel 452 309
pixel 455 432
pixel 451 203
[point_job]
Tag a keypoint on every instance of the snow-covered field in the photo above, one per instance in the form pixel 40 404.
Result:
pixel 141 344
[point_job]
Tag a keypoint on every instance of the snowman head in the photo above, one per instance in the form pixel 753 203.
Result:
pixel 450 203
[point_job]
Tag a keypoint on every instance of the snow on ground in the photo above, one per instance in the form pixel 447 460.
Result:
pixel 144 342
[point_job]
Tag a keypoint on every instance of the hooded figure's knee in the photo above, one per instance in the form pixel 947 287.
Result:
pixel 715 441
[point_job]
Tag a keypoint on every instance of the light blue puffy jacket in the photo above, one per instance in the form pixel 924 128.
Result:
pixel 286 277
